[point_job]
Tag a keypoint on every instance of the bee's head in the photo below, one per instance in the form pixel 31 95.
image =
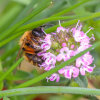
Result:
pixel 38 32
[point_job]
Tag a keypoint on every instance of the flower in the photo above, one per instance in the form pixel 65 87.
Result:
pixel 69 71
pixel 46 42
pixel 64 54
pixel 82 48
pixel 80 36
pixel 86 68
pixel 86 59
pixel 53 77
pixel 60 46
pixel 60 29
pixel 50 61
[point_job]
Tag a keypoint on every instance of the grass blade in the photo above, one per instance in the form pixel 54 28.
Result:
pixel 49 89
pixel 8 53
pixel 70 8
pixel 10 69
pixel 51 29
pixel 24 12
pixel 40 22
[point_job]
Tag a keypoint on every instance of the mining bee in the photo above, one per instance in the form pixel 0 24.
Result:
pixel 30 44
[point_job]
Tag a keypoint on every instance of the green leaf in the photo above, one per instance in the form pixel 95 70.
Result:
pixel 25 2
pixel 57 6
pixel 82 81
pixel 1 85
pixel 1 72
pixel 43 21
pixel 96 72
pixel 1 66
pixel 24 12
pixel 8 16
pixel 10 69
pixel 70 8
pixel 65 24
pixel 49 89
pixel 9 52
pixel 21 75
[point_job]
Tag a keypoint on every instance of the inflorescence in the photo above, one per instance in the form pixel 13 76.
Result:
pixel 60 46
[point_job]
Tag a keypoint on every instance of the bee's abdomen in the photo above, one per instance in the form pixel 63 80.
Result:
pixel 34 58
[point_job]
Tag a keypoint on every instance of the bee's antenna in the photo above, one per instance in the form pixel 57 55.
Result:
pixel 59 23
pixel 77 24
pixel 44 25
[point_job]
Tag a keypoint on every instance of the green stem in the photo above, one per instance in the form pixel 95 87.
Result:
pixel 70 8
pixel 10 69
pixel 73 21
pixel 10 52
pixel 39 78
pixel 40 22
pixel 49 89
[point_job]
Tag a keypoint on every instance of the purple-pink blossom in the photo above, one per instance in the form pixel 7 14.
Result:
pixel 53 77
pixel 46 42
pixel 60 46
pixel 49 61
pixel 69 72
pixel 64 54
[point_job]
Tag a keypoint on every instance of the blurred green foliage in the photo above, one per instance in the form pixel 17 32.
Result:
pixel 18 16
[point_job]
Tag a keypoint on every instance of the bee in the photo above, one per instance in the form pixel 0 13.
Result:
pixel 30 44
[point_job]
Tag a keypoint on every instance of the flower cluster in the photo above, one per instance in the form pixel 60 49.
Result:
pixel 60 46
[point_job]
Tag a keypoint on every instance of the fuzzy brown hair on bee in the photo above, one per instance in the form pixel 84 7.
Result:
pixel 31 45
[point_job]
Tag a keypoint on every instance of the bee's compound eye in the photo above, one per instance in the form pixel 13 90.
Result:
pixel 35 33
pixel 38 32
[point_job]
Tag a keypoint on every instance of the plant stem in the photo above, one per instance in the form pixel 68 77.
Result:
pixel 49 89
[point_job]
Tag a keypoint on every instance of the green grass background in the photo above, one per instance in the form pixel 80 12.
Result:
pixel 18 16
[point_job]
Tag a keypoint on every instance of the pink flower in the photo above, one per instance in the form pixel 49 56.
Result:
pixel 63 44
pixel 69 71
pixel 49 61
pixel 41 53
pixel 82 48
pixel 46 42
pixel 79 62
pixel 92 37
pixel 60 29
pixel 84 68
pixel 53 77
pixel 47 38
pixel 54 33
pixel 80 36
pixel 65 54
pixel 72 46
pixel 86 59
pixel 85 40
pixel 49 67
pixel 45 46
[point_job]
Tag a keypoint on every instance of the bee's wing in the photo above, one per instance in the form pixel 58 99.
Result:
pixel 19 54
